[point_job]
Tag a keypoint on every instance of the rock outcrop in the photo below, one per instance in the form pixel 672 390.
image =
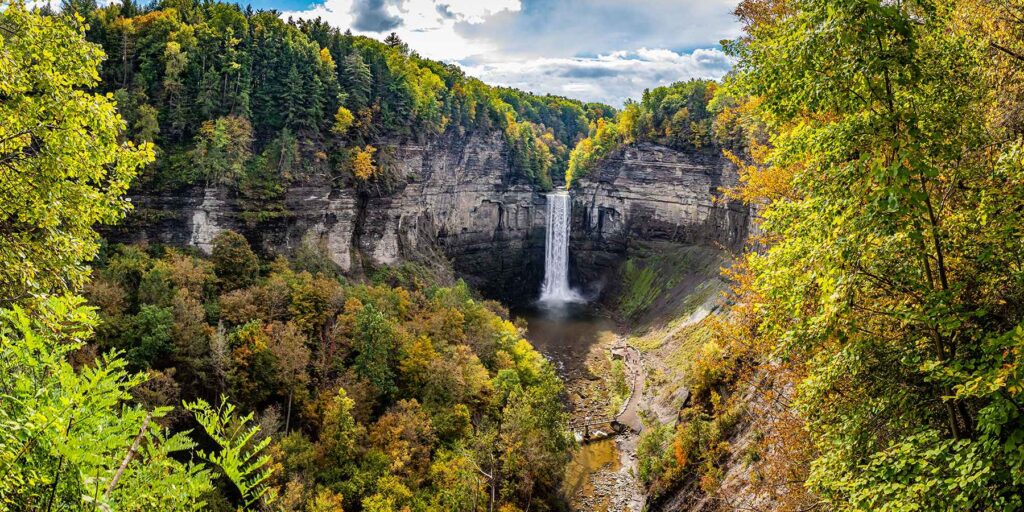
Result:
pixel 650 192
pixel 458 198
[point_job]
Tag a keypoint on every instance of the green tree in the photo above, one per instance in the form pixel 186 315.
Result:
pixel 59 145
pixel 357 81
pixel 223 148
pixel 893 273
pixel 70 436
pixel 234 262
pixel 148 341
pixel 68 441
pixel 377 345
pixel 239 455
pixel 340 435
pixel 155 287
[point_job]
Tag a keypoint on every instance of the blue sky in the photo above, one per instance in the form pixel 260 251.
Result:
pixel 595 50
pixel 284 5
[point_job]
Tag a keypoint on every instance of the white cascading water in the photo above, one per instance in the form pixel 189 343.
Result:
pixel 556 263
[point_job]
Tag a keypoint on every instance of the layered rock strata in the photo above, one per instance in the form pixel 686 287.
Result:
pixel 650 192
pixel 457 198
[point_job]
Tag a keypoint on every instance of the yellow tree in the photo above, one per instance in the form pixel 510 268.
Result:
pixel 64 166
pixel 894 210
pixel 362 163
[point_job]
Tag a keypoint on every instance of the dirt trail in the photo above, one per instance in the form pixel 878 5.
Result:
pixel 630 414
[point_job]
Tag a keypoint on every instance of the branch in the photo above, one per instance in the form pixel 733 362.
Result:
pixel 1006 50
pixel 128 458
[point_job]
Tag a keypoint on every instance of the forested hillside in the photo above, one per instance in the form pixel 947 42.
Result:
pixel 697 115
pixel 871 359
pixel 399 391
pixel 242 98
pixel 386 395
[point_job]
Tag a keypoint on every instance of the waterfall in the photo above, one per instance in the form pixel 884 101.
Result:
pixel 556 263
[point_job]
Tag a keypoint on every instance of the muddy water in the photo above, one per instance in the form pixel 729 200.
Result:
pixel 575 337
pixel 566 334
pixel 592 459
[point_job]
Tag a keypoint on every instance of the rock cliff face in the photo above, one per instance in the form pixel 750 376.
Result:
pixel 650 192
pixel 456 198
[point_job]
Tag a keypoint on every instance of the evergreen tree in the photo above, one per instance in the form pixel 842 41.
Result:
pixel 357 81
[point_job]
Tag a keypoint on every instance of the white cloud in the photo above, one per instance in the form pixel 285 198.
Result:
pixel 475 11
pixel 611 78
pixel 596 50
pixel 571 28
pixel 427 25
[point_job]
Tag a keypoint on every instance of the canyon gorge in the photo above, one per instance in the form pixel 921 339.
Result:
pixel 458 198
pixel 365 256
pixel 458 202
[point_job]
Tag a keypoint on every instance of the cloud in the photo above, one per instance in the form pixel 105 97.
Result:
pixel 375 15
pixel 595 50
pixel 588 71
pixel 569 28
pixel 445 11
pixel 427 25
pixel 610 78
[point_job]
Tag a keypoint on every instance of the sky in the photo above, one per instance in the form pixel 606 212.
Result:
pixel 593 50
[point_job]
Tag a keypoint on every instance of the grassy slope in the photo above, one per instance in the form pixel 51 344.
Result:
pixel 667 291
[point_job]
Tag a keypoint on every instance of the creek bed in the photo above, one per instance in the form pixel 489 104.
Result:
pixel 577 339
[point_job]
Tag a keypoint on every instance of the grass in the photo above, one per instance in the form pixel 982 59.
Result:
pixel 664 279
pixel 640 290
pixel 618 386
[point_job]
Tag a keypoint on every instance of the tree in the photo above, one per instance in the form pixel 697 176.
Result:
pixel 223 149
pixel 288 346
pixel 362 163
pixel 155 285
pixel 59 145
pixel 71 437
pixel 396 42
pixel 191 337
pixel 67 438
pixel 239 448
pixel 343 120
pixel 70 441
pixel 146 125
pixel 407 437
pixel 892 249
pixel 357 81
pixel 340 438
pixel 377 345
pixel 148 341
pixel 234 262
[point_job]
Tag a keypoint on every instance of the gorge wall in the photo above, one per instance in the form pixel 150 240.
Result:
pixel 649 192
pixel 458 198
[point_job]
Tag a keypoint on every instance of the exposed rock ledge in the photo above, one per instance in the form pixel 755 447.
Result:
pixel 459 198
pixel 650 192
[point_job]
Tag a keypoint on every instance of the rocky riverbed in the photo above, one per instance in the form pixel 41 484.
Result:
pixel 580 342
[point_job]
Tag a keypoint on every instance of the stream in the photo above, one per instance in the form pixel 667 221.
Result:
pixel 577 339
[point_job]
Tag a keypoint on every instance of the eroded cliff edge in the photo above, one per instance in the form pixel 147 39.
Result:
pixel 646 192
pixel 457 197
